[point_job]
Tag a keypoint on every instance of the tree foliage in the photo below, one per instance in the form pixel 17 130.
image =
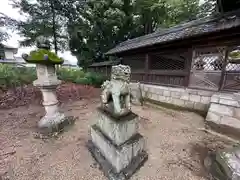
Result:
pixel 92 27
pixel 6 23
pixel 42 19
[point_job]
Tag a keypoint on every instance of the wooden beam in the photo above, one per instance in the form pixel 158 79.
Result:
pixel 188 66
pixel 147 61
pixel 225 62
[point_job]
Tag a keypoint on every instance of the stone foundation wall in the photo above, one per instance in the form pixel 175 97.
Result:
pixel 224 113
pixel 223 110
pixel 184 97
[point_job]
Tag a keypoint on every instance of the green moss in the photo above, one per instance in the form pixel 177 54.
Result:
pixel 175 107
pixel 235 54
pixel 38 56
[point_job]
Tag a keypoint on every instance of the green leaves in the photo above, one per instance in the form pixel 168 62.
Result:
pixel 91 27
pixel 6 23
pixel 42 19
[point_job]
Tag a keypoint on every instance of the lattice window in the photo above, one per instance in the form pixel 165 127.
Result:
pixel 167 62
pixel 207 66
pixel 232 72
pixel 135 62
pixel 208 59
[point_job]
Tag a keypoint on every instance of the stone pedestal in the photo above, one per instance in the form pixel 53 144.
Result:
pixel 47 82
pixel 116 145
pixel 226 164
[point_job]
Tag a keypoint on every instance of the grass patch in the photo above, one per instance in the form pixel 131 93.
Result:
pixel 12 76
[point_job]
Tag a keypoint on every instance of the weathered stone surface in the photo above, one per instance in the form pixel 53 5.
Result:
pixel 189 104
pixel 161 98
pixel 159 91
pixel 237 113
pixel 214 99
pixel 221 109
pixel 192 91
pixel 47 82
pixel 226 164
pixel 178 102
pixel 175 94
pixel 180 90
pixel 51 120
pixel 109 171
pixel 213 117
pixel 185 96
pixel 150 95
pixel 136 94
pixel 154 97
pixel 119 131
pixel 205 93
pixel 205 99
pixel 166 93
pixel 229 102
pixel 46 76
pixel 231 122
pixel 195 98
pixel 115 95
pixel 169 100
pixel 200 106
pixel 118 156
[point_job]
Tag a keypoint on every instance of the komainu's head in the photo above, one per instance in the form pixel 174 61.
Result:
pixel 43 43
pixel 121 72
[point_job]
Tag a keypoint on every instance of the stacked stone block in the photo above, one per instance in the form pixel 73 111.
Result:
pixel 224 114
pixel 188 98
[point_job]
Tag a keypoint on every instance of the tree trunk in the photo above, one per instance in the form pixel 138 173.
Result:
pixel 54 26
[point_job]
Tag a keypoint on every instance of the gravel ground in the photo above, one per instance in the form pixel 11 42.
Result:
pixel 175 144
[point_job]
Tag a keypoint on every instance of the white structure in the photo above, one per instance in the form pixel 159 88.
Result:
pixel 67 64
pixel 7 54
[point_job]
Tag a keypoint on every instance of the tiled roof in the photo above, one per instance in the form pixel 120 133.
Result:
pixel 105 63
pixel 183 31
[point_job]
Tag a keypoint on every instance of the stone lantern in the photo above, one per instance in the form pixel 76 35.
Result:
pixel 47 81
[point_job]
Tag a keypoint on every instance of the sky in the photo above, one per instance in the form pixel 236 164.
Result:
pixel 7 9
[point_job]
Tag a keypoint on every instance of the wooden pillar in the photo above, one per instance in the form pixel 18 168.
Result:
pixel 188 66
pixel 146 71
pixel 225 63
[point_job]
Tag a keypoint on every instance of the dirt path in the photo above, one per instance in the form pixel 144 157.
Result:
pixel 175 145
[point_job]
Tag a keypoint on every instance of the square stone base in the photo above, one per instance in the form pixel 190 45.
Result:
pixel 109 171
pixel 118 130
pixel 118 156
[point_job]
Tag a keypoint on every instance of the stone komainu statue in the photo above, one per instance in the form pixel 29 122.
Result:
pixel 115 97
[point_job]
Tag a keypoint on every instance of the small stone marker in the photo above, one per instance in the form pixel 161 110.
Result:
pixel 115 142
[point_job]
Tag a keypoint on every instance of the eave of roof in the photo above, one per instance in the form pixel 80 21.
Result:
pixel 104 63
pixel 187 30
pixel 15 50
